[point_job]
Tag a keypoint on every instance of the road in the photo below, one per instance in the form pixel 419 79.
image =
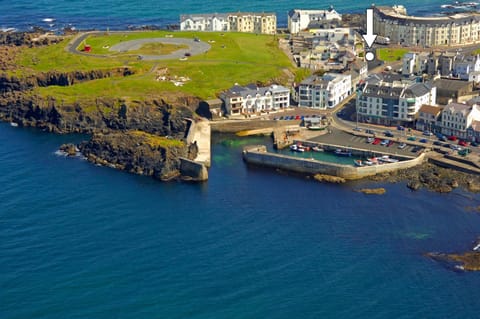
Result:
pixel 194 47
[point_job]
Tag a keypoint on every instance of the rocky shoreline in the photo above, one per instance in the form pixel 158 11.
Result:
pixel 431 177
pixel 144 137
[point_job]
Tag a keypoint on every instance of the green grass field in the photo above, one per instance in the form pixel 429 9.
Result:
pixel 389 55
pixel 233 58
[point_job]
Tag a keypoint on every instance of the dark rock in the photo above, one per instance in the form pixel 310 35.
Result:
pixel 70 149
pixel 414 185
pixel 138 152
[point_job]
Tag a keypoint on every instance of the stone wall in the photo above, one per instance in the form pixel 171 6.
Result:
pixel 192 170
pixel 258 155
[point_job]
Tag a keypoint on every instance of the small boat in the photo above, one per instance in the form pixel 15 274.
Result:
pixel 343 152
pixel 317 149
pixel 13 124
pixel 367 162
pixel 297 148
pixel 387 159
pixel 316 128
pixel 358 162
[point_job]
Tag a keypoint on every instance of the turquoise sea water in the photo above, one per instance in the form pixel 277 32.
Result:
pixel 81 241
pixel 115 14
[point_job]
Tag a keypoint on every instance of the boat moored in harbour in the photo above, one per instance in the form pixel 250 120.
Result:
pixel 343 152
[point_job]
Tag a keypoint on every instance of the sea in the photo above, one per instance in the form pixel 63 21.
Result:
pixel 84 241
pixel 56 15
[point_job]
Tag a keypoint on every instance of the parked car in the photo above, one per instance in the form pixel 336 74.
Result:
pixel 416 149
pixel 474 144
pixel 385 142
pixel 412 138
pixel 442 138
pixel 402 146
pixel 376 141
pixel 423 140
pixel 390 143
pixel 438 143
pixel 427 133
pixel 358 129
pixel 401 128
pixel 452 138
pixel 388 133
pixel 462 143
pixel 369 131
pixel 370 140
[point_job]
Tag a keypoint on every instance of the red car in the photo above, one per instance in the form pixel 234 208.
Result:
pixel 462 143
pixel 452 138
pixel 390 143
pixel 377 140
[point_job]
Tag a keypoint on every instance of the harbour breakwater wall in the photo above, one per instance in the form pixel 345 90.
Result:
pixel 198 134
pixel 258 155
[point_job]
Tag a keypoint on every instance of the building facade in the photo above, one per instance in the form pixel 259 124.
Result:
pixel 261 23
pixel 324 92
pixel 251 99
pixel 456 29
pixel 392 102
pixel 299 20
pixel 204 22
pixel 457 118
pixel 429 118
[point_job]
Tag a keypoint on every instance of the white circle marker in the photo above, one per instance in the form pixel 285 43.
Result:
pixel 369 56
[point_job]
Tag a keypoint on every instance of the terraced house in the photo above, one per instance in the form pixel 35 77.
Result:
pixel 252 99
pixel 457 118
pixel 456 29
pixel 252 22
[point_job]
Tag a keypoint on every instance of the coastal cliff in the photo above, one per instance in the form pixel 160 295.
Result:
pixel 138 152
pixel 146 136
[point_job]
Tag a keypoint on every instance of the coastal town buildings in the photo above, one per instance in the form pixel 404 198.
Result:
pixel 391 100
pixel 458 117
pixel 204 22
pixel 415 63
pixel 455 90
pixel 456 29
pixel 464 65
pixel 299 20
pixel 252 22
pixel 429 118
pixel 252 99
pixel 322 92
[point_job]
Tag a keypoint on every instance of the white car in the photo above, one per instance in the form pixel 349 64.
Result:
pixel 402 146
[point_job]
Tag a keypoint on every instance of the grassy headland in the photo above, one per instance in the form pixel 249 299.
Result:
pixel 233 58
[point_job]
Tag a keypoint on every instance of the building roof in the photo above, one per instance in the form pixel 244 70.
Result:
pixel 431 109
pixel 451 85
pixel 389 13
pixel 458 108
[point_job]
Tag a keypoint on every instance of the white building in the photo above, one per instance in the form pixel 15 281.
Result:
pixel 464 65
pixel 299 20
pixel 204 22
pixel 264 23
pixel 457 117
pixel 392 102
pixel 252 99
pixel 414 63
pixel 324 92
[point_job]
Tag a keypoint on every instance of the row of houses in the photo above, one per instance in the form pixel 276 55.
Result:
pixel 261 23
pixel 452 64
pixel 456 29
pixel 457 119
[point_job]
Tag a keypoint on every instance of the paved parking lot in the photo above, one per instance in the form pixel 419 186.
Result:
pixel 339 137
